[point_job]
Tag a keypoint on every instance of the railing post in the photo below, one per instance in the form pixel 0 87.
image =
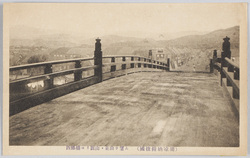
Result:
pixel 48 83
pixel 235 94
pixel 230 68
pixel 211 66
pixel 215 54
pixel 214 60
pixel 225 53
pixel 132 65
pixel 139 64
pixel 98 59
pixel 78 73
pixel 145 60
pixel 168 64
pixel 113 67
pixel 123 58
pixel 123 65
pixel 150 63
pixel 154 66
pixel 236 74
pixel 226 47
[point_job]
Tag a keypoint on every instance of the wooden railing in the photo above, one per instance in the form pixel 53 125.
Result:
pixel 121 65
pixel 42 82
pixel 229 75
pixel 229 70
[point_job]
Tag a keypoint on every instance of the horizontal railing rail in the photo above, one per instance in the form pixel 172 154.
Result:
pixel 18 67
pixel 232 64
pixel 52 75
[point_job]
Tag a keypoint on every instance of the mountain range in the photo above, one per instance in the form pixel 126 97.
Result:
pixel 121 45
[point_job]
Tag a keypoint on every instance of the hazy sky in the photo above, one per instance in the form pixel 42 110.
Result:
pixel 105 18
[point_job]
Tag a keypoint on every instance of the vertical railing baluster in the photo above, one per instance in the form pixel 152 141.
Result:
pixel 132 65
pixel 48 83
pixel 168 65
pixel 223 64
pixel 211 66
pixel 230 68
pixel 139 62
pixel 113 67
pixel 150 63
pixel 236 74
pixel 78 73
pixel 215 55
pixel 235 94
pixel 213 61
pixel 145 60
pixel 124 65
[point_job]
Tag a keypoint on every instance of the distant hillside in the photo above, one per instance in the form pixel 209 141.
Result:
pixel 81 51
pixel 34 37
pixel 50 43
pixel 206 43
pixel 111 39
pixel 212 40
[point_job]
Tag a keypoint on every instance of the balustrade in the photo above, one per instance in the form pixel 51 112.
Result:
pixel 56 80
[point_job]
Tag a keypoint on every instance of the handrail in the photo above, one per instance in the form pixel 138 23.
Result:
pixel 135 62
pixel 119 56
pixel 229 61
pixel 54 74
pixel 25 66
pixel 18 67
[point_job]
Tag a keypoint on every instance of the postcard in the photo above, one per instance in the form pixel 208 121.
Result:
pixel 125 79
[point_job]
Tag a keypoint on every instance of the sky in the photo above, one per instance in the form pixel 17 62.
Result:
pixel 99 19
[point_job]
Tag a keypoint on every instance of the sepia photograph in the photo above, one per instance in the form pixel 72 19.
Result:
pixel 125 78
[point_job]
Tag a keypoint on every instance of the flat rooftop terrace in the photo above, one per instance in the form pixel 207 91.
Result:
pixel 147 108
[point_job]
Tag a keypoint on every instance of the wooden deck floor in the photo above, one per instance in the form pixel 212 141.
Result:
pixel 157 109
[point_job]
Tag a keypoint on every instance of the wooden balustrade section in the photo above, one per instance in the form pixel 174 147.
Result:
pixel 229 78
pixel 21 98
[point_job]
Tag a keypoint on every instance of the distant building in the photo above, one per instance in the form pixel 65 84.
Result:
pixel 159 54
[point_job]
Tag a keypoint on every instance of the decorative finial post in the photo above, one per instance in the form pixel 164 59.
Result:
pixel 215 54
pixel 98 59
pixel 226 47
pixel 225 53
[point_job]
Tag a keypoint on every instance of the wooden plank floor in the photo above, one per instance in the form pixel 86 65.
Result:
pixel 149 108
